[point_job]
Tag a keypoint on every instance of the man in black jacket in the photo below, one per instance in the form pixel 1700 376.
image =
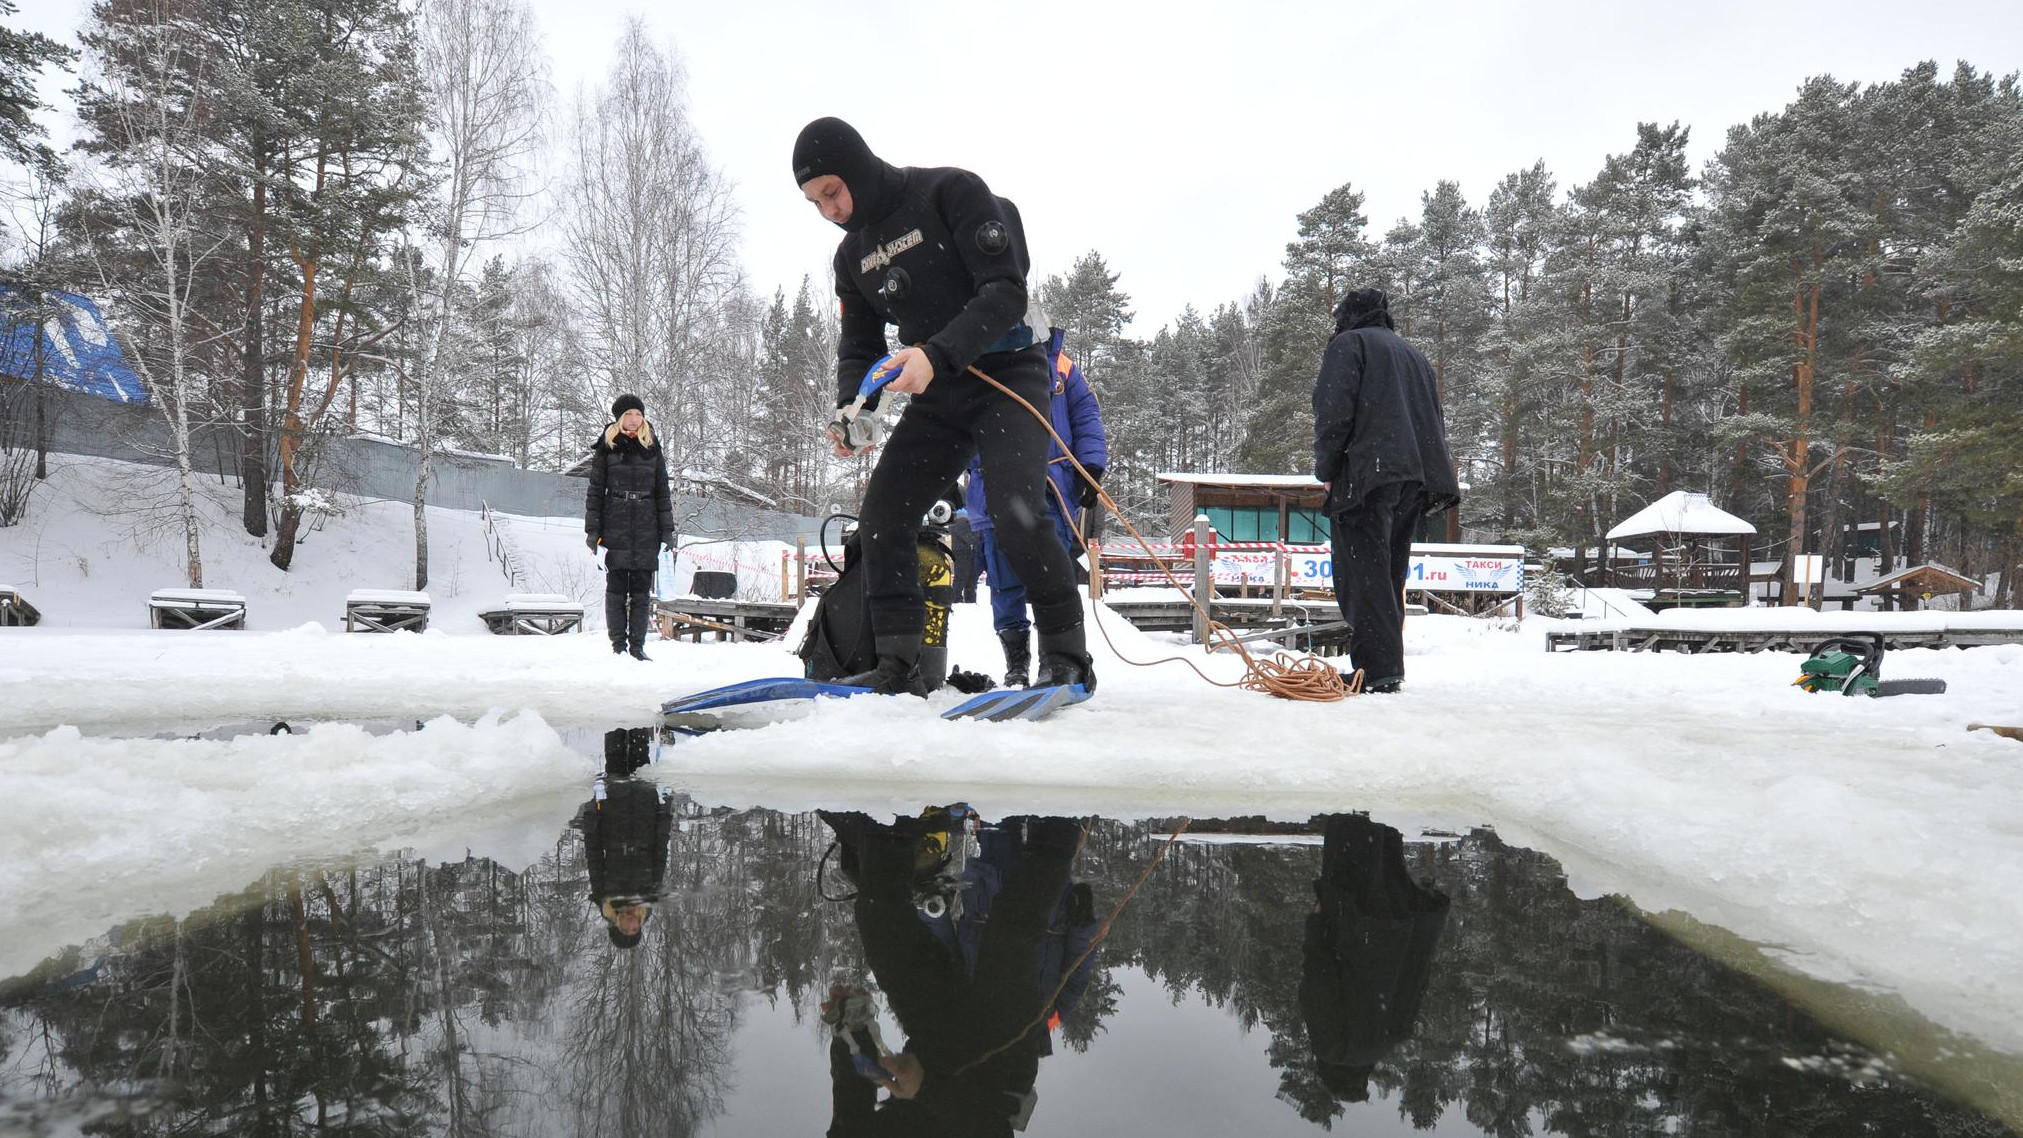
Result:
pixel 936 253
pixel 1380 446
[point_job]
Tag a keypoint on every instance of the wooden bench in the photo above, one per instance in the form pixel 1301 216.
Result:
pixel 196 609
pixel 534 614
pixel 696 617
pixel 15 611
pixel 385 610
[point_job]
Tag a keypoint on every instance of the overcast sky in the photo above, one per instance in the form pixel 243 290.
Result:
pixel 1181 139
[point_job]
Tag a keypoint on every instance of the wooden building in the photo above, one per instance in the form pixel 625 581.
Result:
pixel 1249 507
pixel 1690 564
pixel 1905 588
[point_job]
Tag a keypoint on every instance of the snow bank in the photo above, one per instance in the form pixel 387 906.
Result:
pixel 97 830
pixel 100 536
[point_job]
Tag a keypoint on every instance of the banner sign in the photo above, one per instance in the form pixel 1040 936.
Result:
pixel 1433 572
pixel 1313 567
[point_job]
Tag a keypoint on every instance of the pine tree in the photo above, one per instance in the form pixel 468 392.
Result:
pixel 22 55
pixel 497 384
pixel 355 183
pixel 1519 222
pixel 1970 369
pixel 1453 307
pixel 1792 242
pixel 1329 257
pixel 1278 429
pixel 1087 304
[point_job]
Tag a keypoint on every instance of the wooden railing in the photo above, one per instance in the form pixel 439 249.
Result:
pixel 496 548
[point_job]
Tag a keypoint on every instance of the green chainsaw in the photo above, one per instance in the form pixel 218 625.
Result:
pixel 1852 665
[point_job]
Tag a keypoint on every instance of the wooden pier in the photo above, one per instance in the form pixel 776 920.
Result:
pixel 1315 626
pixel 1692 640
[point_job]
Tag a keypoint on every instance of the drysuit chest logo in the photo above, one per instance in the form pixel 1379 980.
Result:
pixel 882 256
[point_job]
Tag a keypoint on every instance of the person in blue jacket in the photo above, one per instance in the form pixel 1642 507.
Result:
pixel 1078 419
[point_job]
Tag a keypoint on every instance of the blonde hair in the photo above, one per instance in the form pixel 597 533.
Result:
pixel 645 433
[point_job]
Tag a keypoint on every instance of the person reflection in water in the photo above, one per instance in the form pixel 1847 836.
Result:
pixel 1368 952
pixel 970 953
pixel 626 828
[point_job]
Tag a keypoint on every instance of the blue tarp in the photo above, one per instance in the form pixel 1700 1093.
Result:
pixel 78 350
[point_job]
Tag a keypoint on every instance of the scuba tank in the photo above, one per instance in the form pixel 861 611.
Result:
pixel 838 642
pixel 935 548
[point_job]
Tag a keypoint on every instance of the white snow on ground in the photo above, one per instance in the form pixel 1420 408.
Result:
pixel 1875 840
pixel 100 536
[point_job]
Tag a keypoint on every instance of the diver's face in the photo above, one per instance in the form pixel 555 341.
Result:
pixel 831 197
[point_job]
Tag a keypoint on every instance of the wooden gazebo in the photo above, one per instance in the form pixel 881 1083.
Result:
pixel 1686 568
pixel 1904 588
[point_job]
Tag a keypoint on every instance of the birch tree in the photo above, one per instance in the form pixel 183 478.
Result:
pixel 649 238
pixel 28 299
pixel 488 86
pixel 145 105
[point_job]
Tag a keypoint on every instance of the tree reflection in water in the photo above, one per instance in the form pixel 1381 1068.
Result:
pixel 396 997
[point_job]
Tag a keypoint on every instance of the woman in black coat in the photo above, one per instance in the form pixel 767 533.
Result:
pixel 630 512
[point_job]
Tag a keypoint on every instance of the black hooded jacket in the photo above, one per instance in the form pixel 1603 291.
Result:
pixel 1377 419
pixel 945 260
pixel 629 504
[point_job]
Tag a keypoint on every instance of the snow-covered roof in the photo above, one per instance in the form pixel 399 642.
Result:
pixel 1274 481
pixel 1567 553
pixel 725 482
pixel 1930 569
pixel 1681 511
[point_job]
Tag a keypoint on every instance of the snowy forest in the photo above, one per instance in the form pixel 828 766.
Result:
pixel 308 218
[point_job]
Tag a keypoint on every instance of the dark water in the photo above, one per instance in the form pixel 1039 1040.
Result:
pixel 1263 979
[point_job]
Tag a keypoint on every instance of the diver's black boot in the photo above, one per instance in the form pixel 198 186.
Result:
pixel 898 669
pixel 1064 659
pixel 1018 656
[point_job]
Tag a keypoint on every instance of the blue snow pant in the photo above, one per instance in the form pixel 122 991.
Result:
pixel 1007 595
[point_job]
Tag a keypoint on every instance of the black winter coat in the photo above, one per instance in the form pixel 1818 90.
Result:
pixel 1377 421
pixel 629 505
pixel 626 831
pixel 947 263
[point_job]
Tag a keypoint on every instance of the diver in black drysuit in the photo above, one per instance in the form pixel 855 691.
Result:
pixel 936 253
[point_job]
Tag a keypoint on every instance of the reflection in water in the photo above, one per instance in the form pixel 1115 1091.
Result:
pixel 648 1036
pixel 1454 981
pixel 626 826
pixel 1368 952
pixel 974 948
